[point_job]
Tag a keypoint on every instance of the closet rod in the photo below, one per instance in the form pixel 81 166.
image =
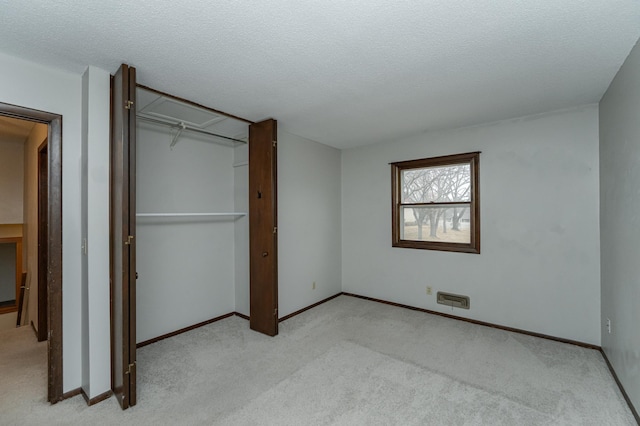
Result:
pixel 191 129
pixel 188 214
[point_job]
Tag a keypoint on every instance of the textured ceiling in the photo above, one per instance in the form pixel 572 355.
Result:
pixel 344 73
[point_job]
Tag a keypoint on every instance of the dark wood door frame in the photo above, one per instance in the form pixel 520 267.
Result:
pixel 54 240
pixel 43 300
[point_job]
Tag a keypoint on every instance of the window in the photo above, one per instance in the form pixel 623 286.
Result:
pixel 436 203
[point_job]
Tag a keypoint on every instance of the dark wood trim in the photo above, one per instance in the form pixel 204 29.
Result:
pixel 54 245
pixel 396 197
pixel 473 158
pixel 195 104
pixel 475 223
pixel 42 261
pixel 97 399
pixel 238 314
pixel 443 160
pixel 437 246
pixel 184 330
pixel 85 396
pixel 472 321
pixel 437 204
pixel 298 312
pixel 54 256
pixel 23 113
pixel 243 316
pixel 67 395
pixel 624 393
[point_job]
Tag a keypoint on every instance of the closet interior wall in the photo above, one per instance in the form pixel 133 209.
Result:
pixel 241 228
pixel 189 267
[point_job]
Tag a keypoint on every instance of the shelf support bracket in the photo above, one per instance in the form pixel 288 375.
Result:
pixel 181 128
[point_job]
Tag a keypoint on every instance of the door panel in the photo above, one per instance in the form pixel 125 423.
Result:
pixel 263 222
pixel 133 394
pixel 43 237
pixel 122 241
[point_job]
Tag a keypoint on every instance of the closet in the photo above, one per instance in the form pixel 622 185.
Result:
pixel 193 221
pixel 191 214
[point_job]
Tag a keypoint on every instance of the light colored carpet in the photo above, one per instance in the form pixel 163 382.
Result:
pixel 346 362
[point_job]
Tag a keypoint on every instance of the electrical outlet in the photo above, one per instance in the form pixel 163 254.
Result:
pixel 429 291
pixel 313 286
pixel 608 326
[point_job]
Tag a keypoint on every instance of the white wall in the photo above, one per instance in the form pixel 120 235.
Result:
pixel 241 227
pixel 36 86
pixel 309 244
pixel 186 266
pixel 620 223
pixel 30 264
pixel 539 264
pixel 96 308
pixel 11 181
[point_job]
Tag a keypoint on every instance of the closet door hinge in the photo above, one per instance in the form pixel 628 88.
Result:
pixel 275 229
pixel 275 143
pixel 275 312
pixel 128 104
pixel 128 242
pixel 130 367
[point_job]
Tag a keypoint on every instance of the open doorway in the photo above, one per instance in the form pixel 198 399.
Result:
pixel 15 180
pixel 41 228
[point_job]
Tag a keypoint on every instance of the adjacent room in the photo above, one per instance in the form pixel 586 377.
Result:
pixel 320 213
pixel 22 146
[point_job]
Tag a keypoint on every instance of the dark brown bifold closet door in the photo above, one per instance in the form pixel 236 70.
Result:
pixel 123 242
pixel 263 222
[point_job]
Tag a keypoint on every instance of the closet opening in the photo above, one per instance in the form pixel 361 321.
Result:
pixel 192 233
pixel 200 171
pixel 182 249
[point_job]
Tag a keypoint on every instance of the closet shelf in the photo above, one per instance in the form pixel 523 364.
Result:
pixel 181 126
pixel 188 214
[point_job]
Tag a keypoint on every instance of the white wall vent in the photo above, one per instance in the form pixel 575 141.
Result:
pixel 453 300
